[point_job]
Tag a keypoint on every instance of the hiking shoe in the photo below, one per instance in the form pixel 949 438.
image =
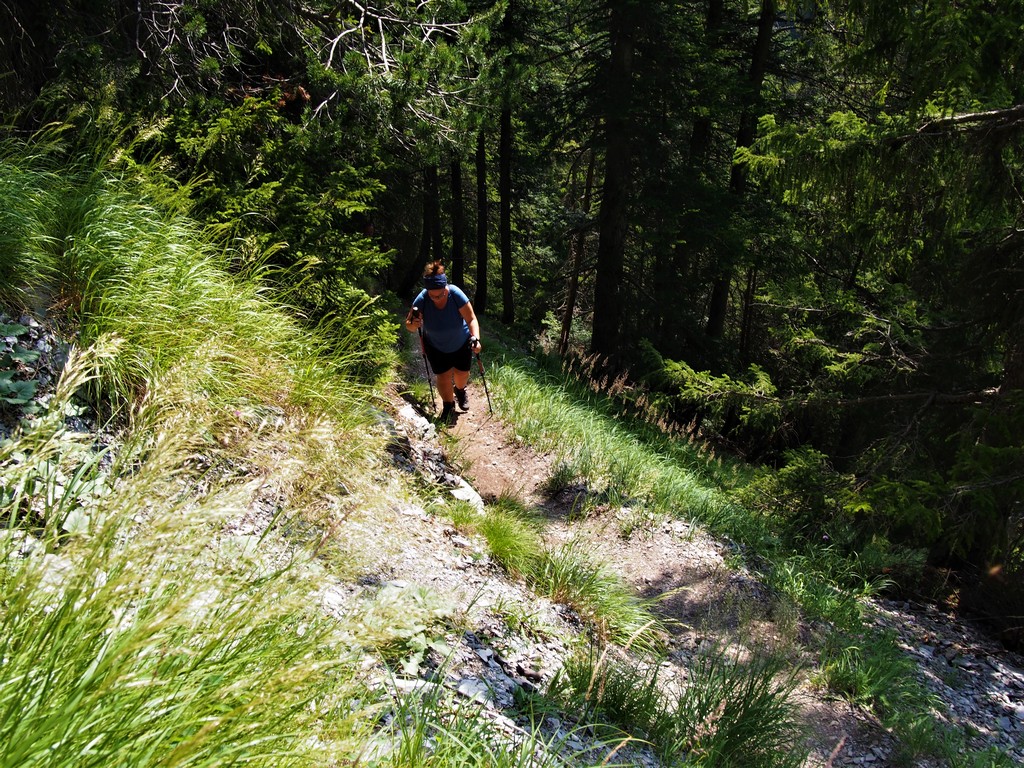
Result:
pixel 448 414
pixel 463 398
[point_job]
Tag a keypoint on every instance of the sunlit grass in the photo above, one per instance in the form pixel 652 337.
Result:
pixel 513 536
pixel 137 629
pixel 728 712
pixel 616 460
pixel 588 444
pixel 567 574
pixel 432 730
pixel 189 342
pixel 592 447
pixel 28 199
pixel 113 263
pixel 739 712
pixel 133 640
pixel 134 628
pixel 869 669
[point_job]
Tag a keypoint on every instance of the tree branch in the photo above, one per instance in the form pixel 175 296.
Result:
pixel 1008 115
pixel 968 121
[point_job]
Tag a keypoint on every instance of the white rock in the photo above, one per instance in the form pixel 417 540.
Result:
pixel 475 689
pixel 465 492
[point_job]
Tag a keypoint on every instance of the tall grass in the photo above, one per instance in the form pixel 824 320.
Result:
pixel 739 712
pixel 728 713
pixel 112 262
pixel 135 642
pixel 104 262
pixel 134 630
pixel 27 198
pixel 599 596
pixel 588 444
pixel 131 671
pixel 629 466
pixel 431 730
pixel 567 575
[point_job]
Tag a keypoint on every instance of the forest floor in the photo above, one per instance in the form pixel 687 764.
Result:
pixel 705 598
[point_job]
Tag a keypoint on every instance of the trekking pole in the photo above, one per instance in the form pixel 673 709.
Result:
pixel 484 379
pixel 426 367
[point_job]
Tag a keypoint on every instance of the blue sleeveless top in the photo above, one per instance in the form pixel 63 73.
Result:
pixel 444 328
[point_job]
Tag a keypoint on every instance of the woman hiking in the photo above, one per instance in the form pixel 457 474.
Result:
pixel 450 334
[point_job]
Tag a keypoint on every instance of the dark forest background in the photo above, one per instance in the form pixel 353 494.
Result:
pixel 793 229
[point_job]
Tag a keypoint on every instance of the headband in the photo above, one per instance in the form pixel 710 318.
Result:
pixel 435 281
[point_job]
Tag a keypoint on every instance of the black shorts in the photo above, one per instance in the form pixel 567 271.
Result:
pixel 441 362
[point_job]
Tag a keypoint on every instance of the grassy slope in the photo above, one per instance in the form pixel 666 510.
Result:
pixel 133 631
pixel 624 462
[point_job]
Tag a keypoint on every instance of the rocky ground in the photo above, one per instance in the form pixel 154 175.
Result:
pixel 978 686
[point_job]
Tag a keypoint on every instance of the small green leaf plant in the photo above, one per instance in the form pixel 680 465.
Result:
pixel 404 623
pixel 13 390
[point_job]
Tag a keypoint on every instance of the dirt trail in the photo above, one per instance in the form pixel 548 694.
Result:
pixel 671 562
pixel 490 458
pixel 705 598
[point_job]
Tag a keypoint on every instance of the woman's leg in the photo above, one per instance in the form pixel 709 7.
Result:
pixel 444 385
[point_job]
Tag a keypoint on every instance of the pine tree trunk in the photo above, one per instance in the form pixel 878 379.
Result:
pixel 718 306
pixel 480 298
pixel 747 323
pixel 505 216
pixel 612 220
pixel 577 243
pixel 1013 360
pixel 458 224
pixel 428 199
pixel 432 203
pixel 700 138
pixel 738 177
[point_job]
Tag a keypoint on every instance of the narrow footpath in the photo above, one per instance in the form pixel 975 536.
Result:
pixel 977 685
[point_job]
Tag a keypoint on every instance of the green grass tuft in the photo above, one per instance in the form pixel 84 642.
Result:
pixel 513 536
pixel 728 713
pixel 568 576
